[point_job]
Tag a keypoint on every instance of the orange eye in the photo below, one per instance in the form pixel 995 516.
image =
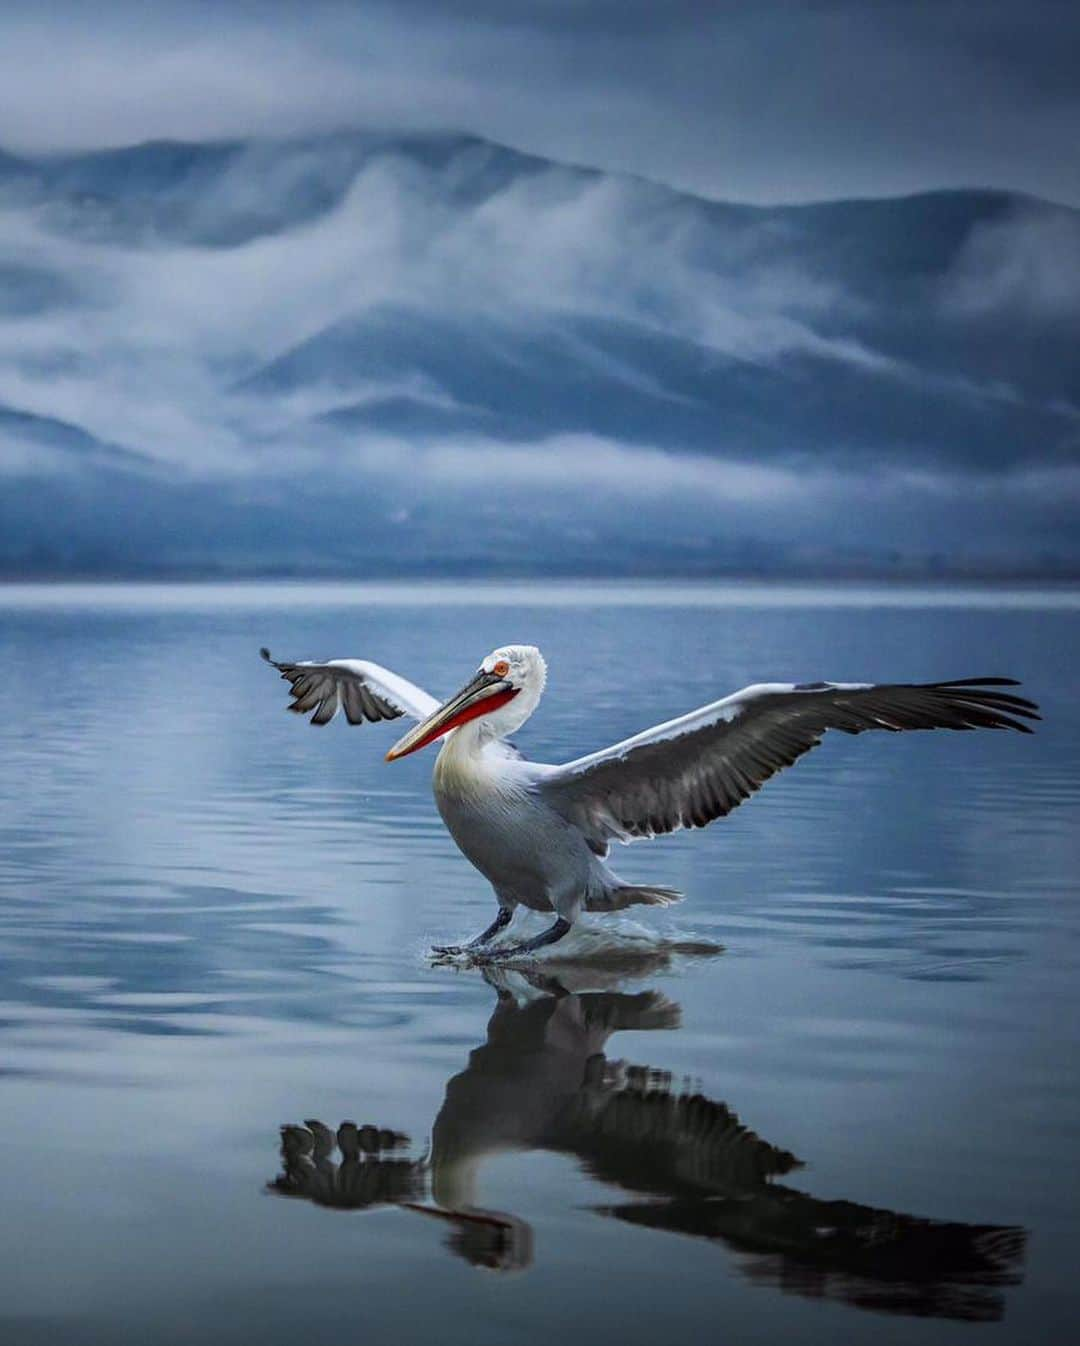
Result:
pixel 501 668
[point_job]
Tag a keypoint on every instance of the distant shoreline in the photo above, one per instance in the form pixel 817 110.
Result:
pixel 483 573
pixel 536 592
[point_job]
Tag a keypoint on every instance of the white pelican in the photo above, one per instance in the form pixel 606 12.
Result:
pixel 540 834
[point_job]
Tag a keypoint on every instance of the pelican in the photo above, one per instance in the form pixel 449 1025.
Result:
pixel 540 833
pixel 541 1081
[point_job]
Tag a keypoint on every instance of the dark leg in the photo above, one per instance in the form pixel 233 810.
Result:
pixel 548 936
pixel 499 923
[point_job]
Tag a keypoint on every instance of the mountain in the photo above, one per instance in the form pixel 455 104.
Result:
pixel 410 353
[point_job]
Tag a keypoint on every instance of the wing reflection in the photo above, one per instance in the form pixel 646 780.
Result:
pixel 541 1081
pixel 366 1176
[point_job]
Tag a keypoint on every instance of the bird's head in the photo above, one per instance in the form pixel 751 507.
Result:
pixel 500 696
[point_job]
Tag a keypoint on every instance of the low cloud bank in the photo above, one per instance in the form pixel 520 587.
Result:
pixel 439 329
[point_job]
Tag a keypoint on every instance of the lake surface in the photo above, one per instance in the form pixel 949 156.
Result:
pixel 857 1122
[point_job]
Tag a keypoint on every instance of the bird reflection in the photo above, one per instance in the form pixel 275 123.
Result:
pixel 541 1081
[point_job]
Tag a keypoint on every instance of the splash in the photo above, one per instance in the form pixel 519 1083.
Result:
pixel 613 942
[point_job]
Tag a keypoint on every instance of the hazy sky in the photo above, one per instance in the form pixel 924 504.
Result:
pixel 767 101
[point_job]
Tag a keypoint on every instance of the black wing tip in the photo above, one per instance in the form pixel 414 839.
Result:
pixel 978 682
pixel 265 653
pixel 1007 722
pixel 1003 701
pixel 998 710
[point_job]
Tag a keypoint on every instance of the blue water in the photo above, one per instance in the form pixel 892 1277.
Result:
pixel 214 922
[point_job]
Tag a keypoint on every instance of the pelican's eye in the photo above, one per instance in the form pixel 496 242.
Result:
pixel 500 668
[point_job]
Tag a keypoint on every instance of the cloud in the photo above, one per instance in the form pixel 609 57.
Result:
pixel 1024 265
pixel 452 278
pixel 148 357
pixel 770 102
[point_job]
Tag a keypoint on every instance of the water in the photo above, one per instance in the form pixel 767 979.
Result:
pixel 214 920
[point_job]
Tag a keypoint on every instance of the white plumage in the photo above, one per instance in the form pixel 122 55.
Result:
pixel 540 833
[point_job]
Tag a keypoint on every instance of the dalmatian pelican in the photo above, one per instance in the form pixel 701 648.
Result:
pixel 671 1160
pixel 540 834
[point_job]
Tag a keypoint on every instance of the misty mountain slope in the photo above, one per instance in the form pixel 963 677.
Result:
pixel 480 374
pixel 56 445
pixel 366 349
pixel 227 193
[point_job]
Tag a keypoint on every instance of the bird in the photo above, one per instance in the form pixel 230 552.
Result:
pixel 541 833
pixel 542 1081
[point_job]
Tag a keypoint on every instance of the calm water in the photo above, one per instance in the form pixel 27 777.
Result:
pixel 857 1122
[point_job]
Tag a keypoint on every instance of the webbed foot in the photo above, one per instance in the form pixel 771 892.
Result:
pixel 501 921
pixel 549 936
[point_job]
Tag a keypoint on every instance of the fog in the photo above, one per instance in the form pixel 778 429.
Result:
pixel 250 319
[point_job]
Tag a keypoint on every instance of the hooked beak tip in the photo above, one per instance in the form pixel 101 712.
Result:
pixel 404 746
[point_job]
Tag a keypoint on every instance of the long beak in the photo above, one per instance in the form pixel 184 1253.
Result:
pixel 486 692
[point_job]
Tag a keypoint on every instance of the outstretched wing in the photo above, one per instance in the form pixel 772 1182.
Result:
pixel 365 690
pixel 691 770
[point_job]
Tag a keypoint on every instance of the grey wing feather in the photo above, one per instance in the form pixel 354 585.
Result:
pixel 366 691
pixel 692 770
